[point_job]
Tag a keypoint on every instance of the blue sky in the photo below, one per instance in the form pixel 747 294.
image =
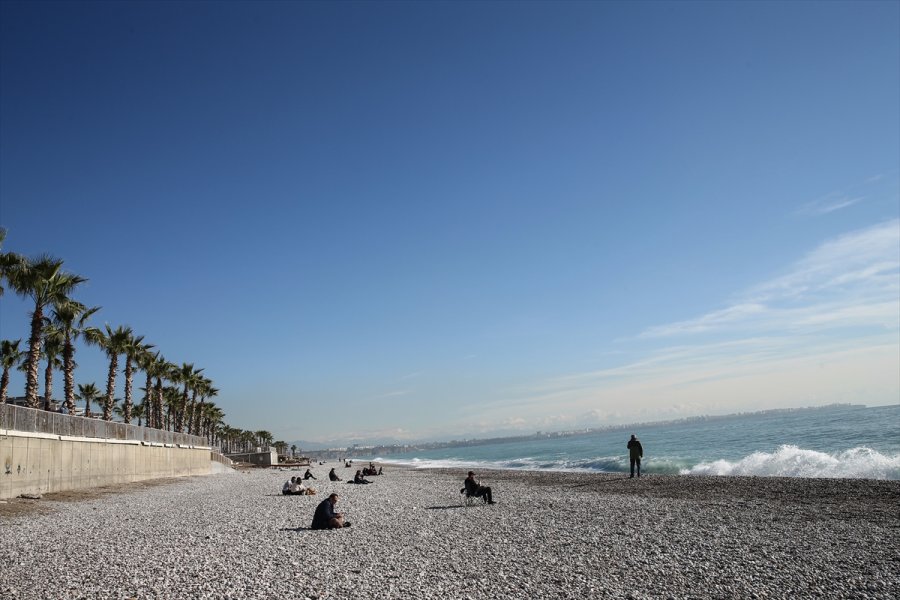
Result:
pixel 426 220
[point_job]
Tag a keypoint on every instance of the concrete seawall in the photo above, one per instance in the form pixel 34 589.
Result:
pixel 38 463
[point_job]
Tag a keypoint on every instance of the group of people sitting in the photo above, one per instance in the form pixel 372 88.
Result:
pixel 294 487
pixel 360 476
pixel 371 470
pixel 326 517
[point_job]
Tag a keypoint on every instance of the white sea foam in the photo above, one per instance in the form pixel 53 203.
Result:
pixel 791 461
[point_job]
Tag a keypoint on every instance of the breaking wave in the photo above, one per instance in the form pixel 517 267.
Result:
pixel 791 461
pixel 786 461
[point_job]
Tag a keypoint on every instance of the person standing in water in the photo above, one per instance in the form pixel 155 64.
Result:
pixel 635 453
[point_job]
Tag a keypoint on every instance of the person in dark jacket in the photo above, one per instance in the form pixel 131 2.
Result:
pixel 478 491
pixel 308 475
pixel 326 517
pixel 358 478
pixel 333 476
pixel 635 453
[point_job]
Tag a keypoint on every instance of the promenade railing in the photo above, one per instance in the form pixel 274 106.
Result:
pixel 20 418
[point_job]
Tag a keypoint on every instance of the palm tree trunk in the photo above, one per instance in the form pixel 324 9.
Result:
pixel 193 413
pixel 110 387
pixel 34 357
pixel 48 383
pixel 148 402
pixel 179 416
pixel 4 385
pixel 69 374
pixel 126 414
pixel 157 404
pixel 198 428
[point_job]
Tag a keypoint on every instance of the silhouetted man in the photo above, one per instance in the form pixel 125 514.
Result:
pixel 478 491
pixel 635 453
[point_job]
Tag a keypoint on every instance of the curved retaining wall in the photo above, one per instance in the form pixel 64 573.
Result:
pixel 38 463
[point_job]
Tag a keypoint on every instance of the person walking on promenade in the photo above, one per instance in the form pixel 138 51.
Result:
pixel 325 516
pixel 479 491
pixel 635 453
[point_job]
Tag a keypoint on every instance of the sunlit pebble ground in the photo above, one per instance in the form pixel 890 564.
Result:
pixel 551 535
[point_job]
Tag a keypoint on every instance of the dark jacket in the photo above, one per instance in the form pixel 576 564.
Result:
pixel 634 449
pixel 324 515
pixel 471 486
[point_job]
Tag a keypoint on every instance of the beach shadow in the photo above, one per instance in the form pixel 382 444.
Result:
pixel 599 482
pixel 444 507
pixel 295 529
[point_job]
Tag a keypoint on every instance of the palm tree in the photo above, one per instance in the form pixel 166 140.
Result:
pixel 113 342
pixel 146 362
pixel 43 280
pixel 206 390
pixel 264 438
pixel 137 412
pixel 71 319
pixel 249 440
pixel 213 421
pixel 8 261
pixel 174 402
pixel 134 348
pixel 89 393
pixel 10 357
pixel 185 375
pixel 161 368
pixel 197 383
pixel 53 347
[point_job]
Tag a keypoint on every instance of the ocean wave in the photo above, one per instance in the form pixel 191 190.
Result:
pixel 602 464
pixel 791 461
pixel 786 461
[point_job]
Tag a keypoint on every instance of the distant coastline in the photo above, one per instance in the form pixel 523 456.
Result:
pixel 398 448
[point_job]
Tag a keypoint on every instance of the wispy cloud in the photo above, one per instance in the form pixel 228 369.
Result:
pixel 738 313
pixel 824 330
pixel 828 204
pixel 869 259
pixel 852 280
pixel 392 394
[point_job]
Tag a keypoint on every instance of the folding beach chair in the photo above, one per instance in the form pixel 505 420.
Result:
pixel 470 500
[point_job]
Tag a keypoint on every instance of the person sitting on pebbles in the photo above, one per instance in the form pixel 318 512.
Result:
pixel 358 478
pixel 293 487
pixel 478 491
pixel 326 517
pixel 333 476
pixel 308 475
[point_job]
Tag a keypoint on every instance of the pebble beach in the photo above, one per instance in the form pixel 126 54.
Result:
pixel 550 535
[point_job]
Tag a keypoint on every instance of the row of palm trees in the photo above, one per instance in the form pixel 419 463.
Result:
pixel 176 397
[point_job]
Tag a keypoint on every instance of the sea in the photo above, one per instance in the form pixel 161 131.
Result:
pixel 840 441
